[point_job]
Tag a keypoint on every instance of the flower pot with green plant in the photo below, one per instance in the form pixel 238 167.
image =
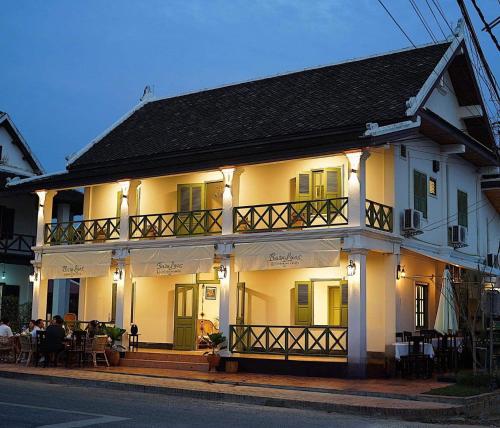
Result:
pixel 113 352
pixel 215 341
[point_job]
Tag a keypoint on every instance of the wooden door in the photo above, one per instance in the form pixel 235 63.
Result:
pixel 334 307
pixel 240 303
pixel 303 303
pixel 185 316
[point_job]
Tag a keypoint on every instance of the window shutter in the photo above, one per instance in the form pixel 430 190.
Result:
pixel 190 197
pixel 119 196
pixel 344 287
pixel 184 197
pixel 420 192
pixel 333 183
pixel 138 201
pixel 303 188
pixel 303 303
pixel 462 208
pixel 197 197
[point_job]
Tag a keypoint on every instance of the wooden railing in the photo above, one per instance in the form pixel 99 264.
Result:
pixel 324 341
pixel 205 222
pixel 290 215
pixel 17 244
pixel 379 216
pixel 79 232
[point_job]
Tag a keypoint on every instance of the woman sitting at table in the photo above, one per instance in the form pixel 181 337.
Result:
pixel 38 326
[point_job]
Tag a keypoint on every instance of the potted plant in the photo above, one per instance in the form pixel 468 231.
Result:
pixel 215 340
pixel 113 352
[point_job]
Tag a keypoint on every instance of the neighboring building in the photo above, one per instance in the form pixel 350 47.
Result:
pixel 275 208
pixel 18 221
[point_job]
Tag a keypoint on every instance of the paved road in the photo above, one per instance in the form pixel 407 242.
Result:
pixel 34 404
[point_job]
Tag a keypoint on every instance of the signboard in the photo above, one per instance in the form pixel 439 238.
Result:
pixel 76 264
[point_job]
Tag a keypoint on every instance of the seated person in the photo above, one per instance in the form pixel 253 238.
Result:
pixel 54 337
pixel 5 329
pixel 92 328
pixel 38 326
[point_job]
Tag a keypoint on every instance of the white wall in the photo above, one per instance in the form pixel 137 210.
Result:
pixel 11 154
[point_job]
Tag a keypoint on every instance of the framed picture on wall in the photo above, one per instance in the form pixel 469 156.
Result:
pixel 210 293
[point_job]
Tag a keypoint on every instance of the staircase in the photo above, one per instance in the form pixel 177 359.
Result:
pixel 157 360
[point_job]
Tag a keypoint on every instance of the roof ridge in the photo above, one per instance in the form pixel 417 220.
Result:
pixel 288 73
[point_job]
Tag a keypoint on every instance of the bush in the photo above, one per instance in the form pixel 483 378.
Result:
pixel 480 380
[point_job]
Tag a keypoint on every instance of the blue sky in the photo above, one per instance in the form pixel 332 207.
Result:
pixel 70 69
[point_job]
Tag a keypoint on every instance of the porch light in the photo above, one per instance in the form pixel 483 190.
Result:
pixel 117 275
pixel 400 272
pixel 3 274
pixel 221 272
pixel 33 277
pixel 351 268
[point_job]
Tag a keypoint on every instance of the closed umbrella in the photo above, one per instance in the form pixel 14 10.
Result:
pixel 446 317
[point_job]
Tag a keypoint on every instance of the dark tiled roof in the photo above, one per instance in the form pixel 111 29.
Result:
pixel 321 99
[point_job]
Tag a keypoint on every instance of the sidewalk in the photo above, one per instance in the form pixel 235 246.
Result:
pixel 332 395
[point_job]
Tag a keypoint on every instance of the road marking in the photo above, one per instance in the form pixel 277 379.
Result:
pixel 97 419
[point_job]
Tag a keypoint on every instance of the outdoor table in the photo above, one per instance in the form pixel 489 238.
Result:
pixel 401 349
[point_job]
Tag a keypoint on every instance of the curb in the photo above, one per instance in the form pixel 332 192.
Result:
pixel 427 415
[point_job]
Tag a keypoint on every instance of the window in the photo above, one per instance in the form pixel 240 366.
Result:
pixel 6 222
pixel 420 192
pixel 435 166
pixel 318 184
pixel 402 151
pixel 432 186
pixel 462 208
pixel 191 197
pixel 421 305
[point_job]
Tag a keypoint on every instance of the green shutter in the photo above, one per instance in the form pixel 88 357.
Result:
pixel 462 208
pixel 190 197
pixel 303 186
pixel 333 183
pixel 303 303
pixel 420 192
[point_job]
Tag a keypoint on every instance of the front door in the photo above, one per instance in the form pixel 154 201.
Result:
pixel 337 304
pixel 185 316
pixel 303 303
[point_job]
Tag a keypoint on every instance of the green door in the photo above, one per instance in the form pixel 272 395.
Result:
pixel 303 303
pixel 185 316
pixel 337 304
pixel 240 303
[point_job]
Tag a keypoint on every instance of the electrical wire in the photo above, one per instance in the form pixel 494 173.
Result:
pixel 397 24
pixel 435 18
pixel 422 20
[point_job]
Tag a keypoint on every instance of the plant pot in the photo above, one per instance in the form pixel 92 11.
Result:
pixel 213 361
pixel 113 357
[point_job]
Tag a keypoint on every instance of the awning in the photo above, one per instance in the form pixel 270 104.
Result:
pixel 76 264
pixel 296 254
pixel 171 261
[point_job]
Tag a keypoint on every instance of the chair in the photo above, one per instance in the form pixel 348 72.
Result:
pixel 203 329
pixel 7 353
pixel 407 335
pixel 77 347
pixel 98 348
pixel 428 335
pixel 399 337
pixel 70 321
pixel 26 349
pixel 443 352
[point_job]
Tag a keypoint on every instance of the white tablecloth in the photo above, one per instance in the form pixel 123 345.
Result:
pixel 401 350
pixel 459 341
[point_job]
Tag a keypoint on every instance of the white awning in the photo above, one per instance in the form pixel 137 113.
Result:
pixel 76 264
pixel 171 261
pixel 296 254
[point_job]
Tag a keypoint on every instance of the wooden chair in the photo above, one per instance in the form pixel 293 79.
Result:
pixel 98 348
pixel 7 353
pixel 70 321
pixel 27 349
pixel 203 329
pixel 76 351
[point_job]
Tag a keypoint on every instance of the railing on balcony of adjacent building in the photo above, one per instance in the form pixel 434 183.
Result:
pixel 327 341
pixel 379 216
pixel 17 244
pixel 204 222
pixel 290 215
pixel 79 232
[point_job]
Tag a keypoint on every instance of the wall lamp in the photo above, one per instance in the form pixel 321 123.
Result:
pixel 222 272
pixel 33 277
pixel 117 275
pixel 400 273
pixel 351 268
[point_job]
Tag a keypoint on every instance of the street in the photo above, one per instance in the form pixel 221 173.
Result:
pixel 34 404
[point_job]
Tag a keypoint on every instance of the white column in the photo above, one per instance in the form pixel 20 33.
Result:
pixel 224 301
pixel 125 185
pixel 35 279
pixel 61 291
pixel 390 267
pixel 356 333
pixel 357 188
pixel 82 299
pixel 227 201
pixel 40 227
pixel 120 294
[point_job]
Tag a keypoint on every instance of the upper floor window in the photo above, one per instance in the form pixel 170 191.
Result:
pixel 318 184
pixel 462 208
pixel 420 192
pixel 432 186
pixel 421 305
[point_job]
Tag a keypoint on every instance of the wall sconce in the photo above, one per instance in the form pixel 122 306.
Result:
pixel 221 272
pixel 400 273
pixel 351 268
pixel 33 277
pixel 3 274
pixel 117 275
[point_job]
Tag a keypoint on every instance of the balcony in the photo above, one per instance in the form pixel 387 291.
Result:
pixel 17 244
pixel 290 215
pixel 80 232
pixel 189 223
pixel 379 216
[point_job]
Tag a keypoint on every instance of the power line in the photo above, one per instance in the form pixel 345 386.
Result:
pixel 396 22
pixel 435 18
pixel 422 20
pixel 486 25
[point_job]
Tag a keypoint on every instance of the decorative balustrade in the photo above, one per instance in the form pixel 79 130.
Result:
pixel 324 341
pixel 290 215
pixel 79 232
pixel 205 222
pixel 17 244
pixel 379 216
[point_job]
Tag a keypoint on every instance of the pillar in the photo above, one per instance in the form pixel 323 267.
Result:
pixel 227 201
pixel 224 301
pixel 82 299
pixel 61 289
pixel 357 188
pixel 390 268
pixel 356 333
pixel 39 306
pixel 124 212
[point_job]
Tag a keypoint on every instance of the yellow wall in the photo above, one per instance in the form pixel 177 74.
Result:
pixel 379 176
pixel 98 298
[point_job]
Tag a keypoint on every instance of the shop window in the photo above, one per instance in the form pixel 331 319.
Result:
pixel 421 305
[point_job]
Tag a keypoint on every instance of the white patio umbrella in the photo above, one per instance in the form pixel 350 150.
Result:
pixel 446 317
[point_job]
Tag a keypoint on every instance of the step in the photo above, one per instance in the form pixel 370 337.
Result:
pixel 158 356
pixel 158 364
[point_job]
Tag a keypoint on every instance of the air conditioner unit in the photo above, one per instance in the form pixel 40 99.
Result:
pixel 458 236
pixel 492 260
pixel 412 221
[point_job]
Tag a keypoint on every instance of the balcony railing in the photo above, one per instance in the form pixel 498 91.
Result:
pixel 290 215
pixel 17 244
pixel 79 232
pixel 326 341
pixel 205 222
pixel 378 216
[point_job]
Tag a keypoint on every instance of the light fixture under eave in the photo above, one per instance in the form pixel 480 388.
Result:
pixel 117 275
pixel 221 272
pixel 33 277
pixel 400 272
pixel 351 268
pixel 3 274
